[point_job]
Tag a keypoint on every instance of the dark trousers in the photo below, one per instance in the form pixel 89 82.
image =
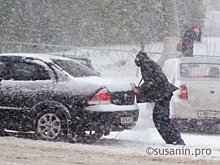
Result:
pixel 162 122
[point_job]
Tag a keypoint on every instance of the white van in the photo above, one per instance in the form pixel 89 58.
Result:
pixel 197 102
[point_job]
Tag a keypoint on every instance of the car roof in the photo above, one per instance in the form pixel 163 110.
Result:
pixel 197 59
pixel 43 57
pixel 77 57
pixel 69 55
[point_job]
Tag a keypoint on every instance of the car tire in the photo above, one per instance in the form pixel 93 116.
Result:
pixel 217 128
pixel 51 126
pixel 2 132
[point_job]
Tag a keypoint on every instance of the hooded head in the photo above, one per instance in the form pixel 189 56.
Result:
pixel 140 58
pixel 194 26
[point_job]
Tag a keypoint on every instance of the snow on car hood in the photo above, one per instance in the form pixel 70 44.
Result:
pixel 79 86
pixel 69 87
pixel 111 84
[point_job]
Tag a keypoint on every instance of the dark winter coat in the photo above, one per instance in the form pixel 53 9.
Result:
pixel 188 40
pixel 156 85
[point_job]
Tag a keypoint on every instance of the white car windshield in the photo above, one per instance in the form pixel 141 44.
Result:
pixel 74 69
pixel 199 70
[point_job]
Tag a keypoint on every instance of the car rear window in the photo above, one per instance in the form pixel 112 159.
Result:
pixel 74 69
pixel 199 70
pixel 82 60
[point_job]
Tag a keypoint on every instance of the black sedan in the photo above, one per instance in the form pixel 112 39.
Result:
pixel 57 98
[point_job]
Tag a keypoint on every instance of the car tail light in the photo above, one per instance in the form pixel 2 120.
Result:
pixel 101 97
pixel 184 93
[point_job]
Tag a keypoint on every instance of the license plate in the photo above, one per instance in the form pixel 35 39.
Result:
pixel 127 120
pixel 208 114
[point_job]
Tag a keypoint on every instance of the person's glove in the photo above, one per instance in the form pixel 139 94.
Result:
pixel 134 88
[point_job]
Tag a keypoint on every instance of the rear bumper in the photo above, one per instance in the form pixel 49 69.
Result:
pixel 209 126
pixel 182 109
pixel 180 121
pixel 109 117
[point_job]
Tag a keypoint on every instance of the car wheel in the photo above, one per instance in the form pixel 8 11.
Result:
pixel 89 136
pixel 217 128
pixel 51 126
pixel 2 132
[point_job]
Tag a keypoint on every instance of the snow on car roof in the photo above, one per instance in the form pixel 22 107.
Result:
pixel 44 57
pixel 198 59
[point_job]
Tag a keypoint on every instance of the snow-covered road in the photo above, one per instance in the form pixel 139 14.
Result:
pixel 15 151
pixel 128 147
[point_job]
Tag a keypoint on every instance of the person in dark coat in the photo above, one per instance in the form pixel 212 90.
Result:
pixel 157 89
pixel 191 35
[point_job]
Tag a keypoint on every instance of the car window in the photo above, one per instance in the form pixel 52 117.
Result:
pixel 74 69
pixel 200 70
pixel 28 71
pixel 2 66
pixel 85 61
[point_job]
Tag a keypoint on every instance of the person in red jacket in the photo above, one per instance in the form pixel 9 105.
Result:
pixel 192 34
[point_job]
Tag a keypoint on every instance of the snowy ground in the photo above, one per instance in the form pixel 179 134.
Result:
pixel 107 152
